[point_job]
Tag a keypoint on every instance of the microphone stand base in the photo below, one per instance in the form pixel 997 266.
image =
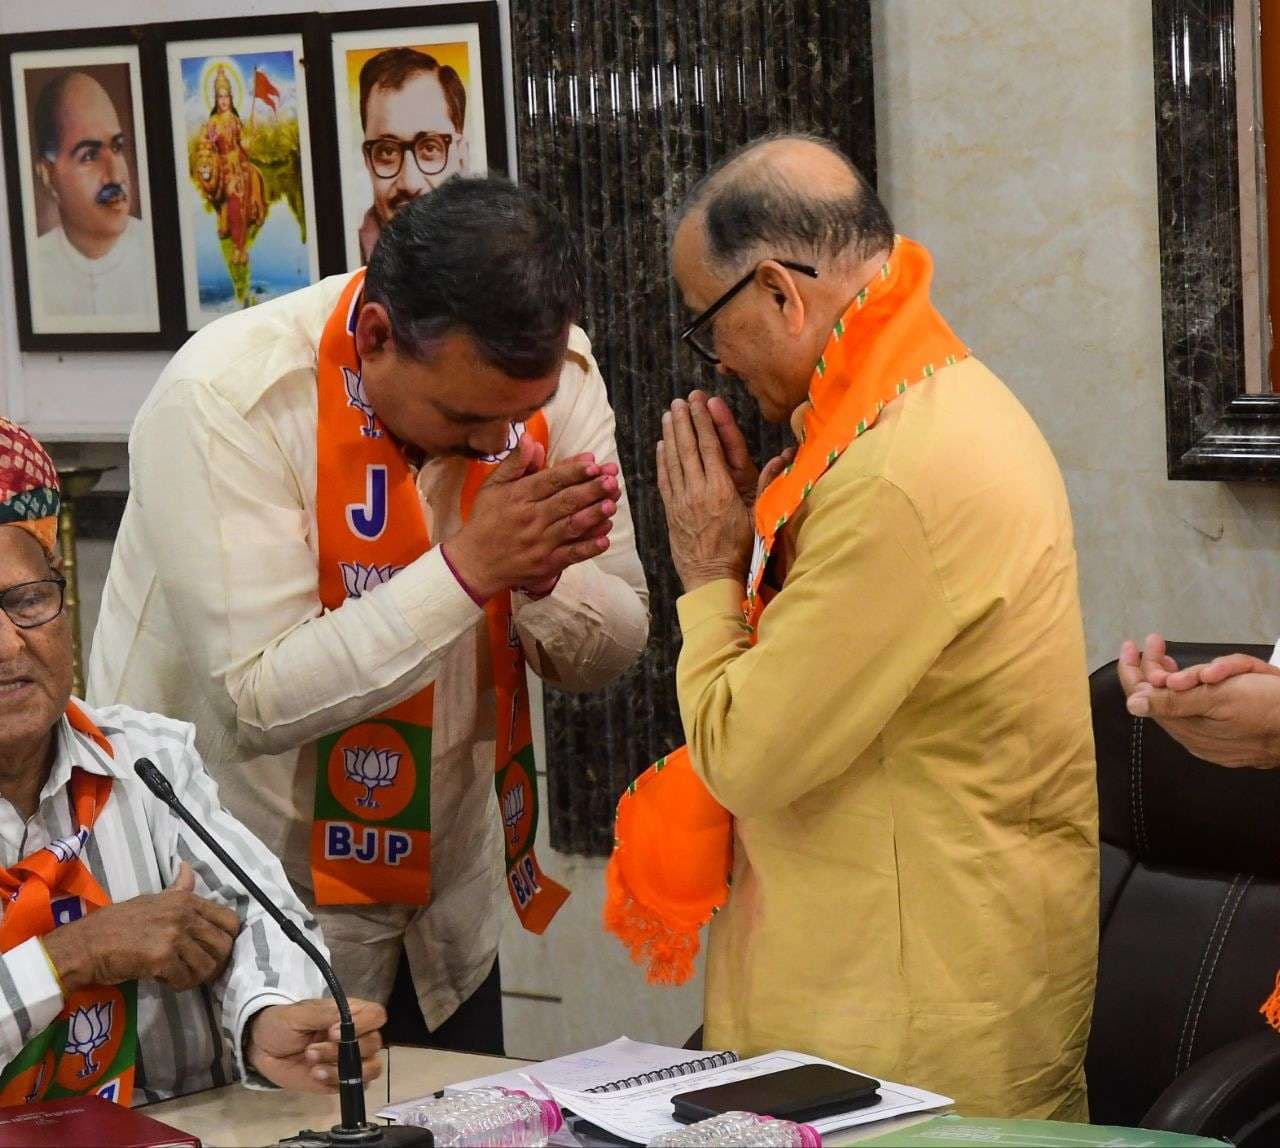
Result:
pixel 364 1136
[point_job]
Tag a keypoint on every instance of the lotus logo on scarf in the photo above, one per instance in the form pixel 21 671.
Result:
pixel 356 397
pixel 513 811
pixel 372 768
pixel 88 1029
pixel 67 848
pixel 513 436
pixel 357 578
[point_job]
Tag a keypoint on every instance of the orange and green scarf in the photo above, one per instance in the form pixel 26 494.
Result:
pixel 673 843
pixel 91 1047
pixel 371 832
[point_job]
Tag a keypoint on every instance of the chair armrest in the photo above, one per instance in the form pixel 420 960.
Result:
pixel 1232 1093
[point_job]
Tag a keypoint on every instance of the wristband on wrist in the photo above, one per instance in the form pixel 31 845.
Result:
pixel 476 598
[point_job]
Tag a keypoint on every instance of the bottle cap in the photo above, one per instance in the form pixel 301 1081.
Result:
pixel 553 1118
pixel 810 1137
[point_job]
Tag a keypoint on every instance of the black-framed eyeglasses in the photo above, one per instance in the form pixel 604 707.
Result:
pixel 31 604
pixel 690 333
pixel 386 154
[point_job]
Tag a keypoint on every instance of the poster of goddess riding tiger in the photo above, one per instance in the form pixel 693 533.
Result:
pixel 243 158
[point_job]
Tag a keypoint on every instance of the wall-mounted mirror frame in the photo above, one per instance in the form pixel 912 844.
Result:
pixel 1222 415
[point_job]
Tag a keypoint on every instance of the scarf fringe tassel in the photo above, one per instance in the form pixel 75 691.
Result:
pixel 668 954
pixel 1271 1006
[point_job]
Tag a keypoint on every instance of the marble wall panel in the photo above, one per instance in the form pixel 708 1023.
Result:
pixel 619 107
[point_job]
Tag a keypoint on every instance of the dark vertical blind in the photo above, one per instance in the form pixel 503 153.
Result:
pixel 620 107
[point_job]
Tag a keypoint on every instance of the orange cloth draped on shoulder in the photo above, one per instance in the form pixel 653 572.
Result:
pixel 90 1049
pixel 371 832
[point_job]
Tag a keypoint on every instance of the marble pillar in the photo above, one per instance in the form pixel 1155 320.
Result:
pixel 619 108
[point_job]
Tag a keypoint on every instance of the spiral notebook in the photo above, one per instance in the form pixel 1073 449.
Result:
pixel 613 1067
pixel 669 1072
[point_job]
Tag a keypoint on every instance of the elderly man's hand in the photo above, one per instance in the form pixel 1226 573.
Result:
pixel 749 481
pixel 1219 670
pixel 176 937
pixel 1150 665
pixel 707 520
pixel 1224 712
pixel 296 1045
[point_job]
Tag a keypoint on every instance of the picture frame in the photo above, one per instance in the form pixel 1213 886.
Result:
pixel 86 243
pixel 241 173
pixel 1222 417
pixel 380 87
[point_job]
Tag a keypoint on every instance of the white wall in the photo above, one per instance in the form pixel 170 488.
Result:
pixel 47 392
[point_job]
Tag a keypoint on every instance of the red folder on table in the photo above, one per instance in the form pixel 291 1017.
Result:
pixel 86 1120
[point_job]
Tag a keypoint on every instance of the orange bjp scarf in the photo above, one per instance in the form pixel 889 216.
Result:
pixel 90 1049
pixel 371 826
pixel 673 843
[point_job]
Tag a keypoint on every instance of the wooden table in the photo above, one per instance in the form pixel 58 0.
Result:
pixel 237 1117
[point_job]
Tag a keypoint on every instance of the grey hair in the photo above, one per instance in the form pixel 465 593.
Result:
pixel 750 207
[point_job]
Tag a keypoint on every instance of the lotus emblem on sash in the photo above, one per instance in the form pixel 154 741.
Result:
pixel 514 431
pixel 513 811
pixel 358 579
pixel 357 398
pixel 88 1029
pixel 372 768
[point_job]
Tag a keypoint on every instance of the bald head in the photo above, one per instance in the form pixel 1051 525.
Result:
pixel 789 196
pixel 72 92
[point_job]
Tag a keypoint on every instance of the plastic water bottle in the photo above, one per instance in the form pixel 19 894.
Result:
pixel 742 1128
pixel 496 1117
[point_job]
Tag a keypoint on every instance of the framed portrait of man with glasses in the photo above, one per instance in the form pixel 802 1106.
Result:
pixel 417 103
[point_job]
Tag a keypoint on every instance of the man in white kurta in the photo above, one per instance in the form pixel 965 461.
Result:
pixel 120 283
pixel 211 614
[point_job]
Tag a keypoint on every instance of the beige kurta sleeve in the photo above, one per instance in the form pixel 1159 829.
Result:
pixel 227 525
pixel 861 617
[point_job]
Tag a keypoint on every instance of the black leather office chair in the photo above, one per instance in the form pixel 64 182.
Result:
pixel 1190 940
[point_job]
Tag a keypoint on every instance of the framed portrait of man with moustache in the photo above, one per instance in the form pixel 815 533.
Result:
pixel 84 253
pixel 419 99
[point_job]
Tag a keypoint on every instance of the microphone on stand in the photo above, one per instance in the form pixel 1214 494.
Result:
pixel 354 1131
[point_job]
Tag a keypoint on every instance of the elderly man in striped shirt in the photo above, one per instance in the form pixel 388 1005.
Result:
pixel 129 967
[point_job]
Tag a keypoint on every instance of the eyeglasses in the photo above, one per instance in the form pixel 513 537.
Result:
pixel 31 604
pixel 690 333
pixel 386 154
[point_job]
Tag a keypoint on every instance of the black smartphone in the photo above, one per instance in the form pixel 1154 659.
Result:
pixel 808 1092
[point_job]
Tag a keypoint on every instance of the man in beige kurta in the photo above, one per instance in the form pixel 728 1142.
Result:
pixel 906 750
pixel 211 610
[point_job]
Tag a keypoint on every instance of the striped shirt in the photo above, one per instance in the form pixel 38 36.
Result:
pixel 190 1040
